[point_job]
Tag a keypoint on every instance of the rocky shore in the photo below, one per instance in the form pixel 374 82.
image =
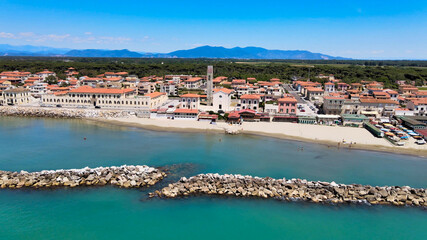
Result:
pixel 61 112
pixel 123 176
pixel 292 190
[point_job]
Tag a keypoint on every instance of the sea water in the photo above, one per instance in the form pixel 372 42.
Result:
pixel 113 213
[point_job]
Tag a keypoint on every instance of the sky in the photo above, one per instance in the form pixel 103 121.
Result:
pixel 386 29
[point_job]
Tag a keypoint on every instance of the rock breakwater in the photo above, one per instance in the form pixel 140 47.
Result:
pixel 292 190
pixel 60 112
pixel 122 176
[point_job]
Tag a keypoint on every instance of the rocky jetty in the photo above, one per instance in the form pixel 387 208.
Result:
pixel 61 112
pixel 292 190
pixel 123 176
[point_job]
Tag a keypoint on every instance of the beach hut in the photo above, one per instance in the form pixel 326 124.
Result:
pixel 375 131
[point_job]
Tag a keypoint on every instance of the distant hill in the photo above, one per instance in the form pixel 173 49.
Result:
pixel 248 53
pixel 199 52
pixel 29 50
pixel 103 53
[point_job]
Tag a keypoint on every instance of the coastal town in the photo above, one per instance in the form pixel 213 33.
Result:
pixel 397 115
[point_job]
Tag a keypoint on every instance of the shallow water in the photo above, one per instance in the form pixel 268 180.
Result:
pixel 111 213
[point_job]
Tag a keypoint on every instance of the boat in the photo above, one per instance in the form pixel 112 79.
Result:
pixel 420 142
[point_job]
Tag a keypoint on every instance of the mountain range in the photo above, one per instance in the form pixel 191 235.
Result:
pixel 199 52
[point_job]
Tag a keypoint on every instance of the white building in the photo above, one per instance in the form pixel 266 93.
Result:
pixel 87 96
pixel 190 101
pixel 329 87
pixel 419 106
pixel 38 89
pixel 248 101
pixel 170 88
pixel 16 96
pixel 46 74
pixel 193 83
pixel 222 99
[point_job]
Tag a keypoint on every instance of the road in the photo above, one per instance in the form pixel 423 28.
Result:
pixel 307 105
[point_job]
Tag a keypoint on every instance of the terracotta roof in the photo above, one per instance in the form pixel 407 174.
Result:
pixel 88 89
pixel 419 101
pixel 288 99
pixel 334 97
pixel 154 94
pixel 183 110
pixel 314 89
pixel 374 100
pixel 224 90
pixel 249 96
pixel 190 95
pixel 238 81
pixel 196 79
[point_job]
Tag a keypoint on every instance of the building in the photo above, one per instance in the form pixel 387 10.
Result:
pixel 170 88
pixel 329 87
pixel 44 74
pixel 250 101
pixel 38 89
pixel 146 88
pixel 221 99
pixel 333 105
pixel 238 82
pixel 372 107
pixel 156 99
pixel 16 96
pixel 418 105
pixel 88 97
pixel 209 85
pixel 193 83
pixel 287 105
pixel 353 120
pixel 190 101
pixel 186 114
pixel 403 112
pixel 314 94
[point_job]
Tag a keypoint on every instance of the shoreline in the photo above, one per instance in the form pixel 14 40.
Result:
pixel 164 126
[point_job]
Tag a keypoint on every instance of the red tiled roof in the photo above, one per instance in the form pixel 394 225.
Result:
pixel 374 100
pixel 224 90
pixel 250 96
pixel 196 79
pixel 288 99
pixel 183 110
pixel 88 89
pixel 154 94
pixel 190 95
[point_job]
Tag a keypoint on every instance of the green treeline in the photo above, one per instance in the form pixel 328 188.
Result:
pixel 347 70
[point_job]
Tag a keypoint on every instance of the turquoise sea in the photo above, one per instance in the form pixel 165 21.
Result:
pixel 113 213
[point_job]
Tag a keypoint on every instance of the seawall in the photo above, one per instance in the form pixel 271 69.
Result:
pixel 122 176
pixel 17 111
pixel 292 190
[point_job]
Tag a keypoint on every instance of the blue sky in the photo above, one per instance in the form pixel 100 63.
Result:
pixel 358 29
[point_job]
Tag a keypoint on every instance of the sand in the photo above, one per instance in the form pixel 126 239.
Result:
pixel 336 136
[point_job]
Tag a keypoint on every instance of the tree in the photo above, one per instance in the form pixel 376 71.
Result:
pixel 51 80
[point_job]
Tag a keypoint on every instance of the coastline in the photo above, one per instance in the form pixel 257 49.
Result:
pixel 257 129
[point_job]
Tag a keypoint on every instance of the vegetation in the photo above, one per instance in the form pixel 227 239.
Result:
pixel 347 70
pixel 51 80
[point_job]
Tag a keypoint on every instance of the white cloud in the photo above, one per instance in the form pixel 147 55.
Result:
pixel 26 34
pixel 7 35
pixel 87 37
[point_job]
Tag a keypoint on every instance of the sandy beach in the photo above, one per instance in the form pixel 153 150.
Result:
pixel 334 136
